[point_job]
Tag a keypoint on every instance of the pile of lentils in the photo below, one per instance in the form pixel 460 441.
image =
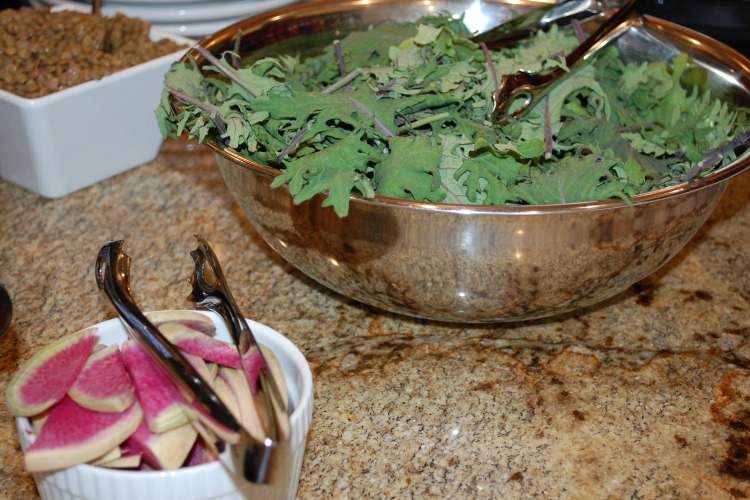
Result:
pixel 42 52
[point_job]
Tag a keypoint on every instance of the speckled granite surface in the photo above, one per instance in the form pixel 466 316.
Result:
pixel 646 395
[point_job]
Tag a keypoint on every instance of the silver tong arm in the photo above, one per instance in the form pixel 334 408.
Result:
pixel 113 277
pixel 535 86
pixel 210 290
pixel 525 25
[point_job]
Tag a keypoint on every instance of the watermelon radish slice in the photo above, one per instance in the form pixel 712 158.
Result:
pixel 195 342
pixel 112 454
pixel 248 414
pixel 73 434
pixel 103 384
pixel 124 462
pixel 200 454
pixel 201 367
pixel 202 420
pixel 164 408
pixel 276 372
pixel 165 451
pixel 45 378
pixel 191 319
pixel 222 390
pixel 121 457
pixel 161 400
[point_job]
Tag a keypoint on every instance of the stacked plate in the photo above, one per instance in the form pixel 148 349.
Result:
pixel 189 18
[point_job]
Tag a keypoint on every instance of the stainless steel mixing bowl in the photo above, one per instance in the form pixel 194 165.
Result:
pixel 467 263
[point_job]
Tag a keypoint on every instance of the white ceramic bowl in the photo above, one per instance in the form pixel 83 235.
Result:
pixel 60 143
pixel 203 482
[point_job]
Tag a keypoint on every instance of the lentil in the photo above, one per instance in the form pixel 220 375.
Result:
pixel 42 52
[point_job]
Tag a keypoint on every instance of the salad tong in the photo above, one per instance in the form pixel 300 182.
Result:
pixel 265 464
pixel 541 19
pixel 210 290
pixel 533 87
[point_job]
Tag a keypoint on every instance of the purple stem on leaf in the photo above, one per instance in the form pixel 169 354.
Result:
pixel 715 156
pixel 200 105
pixel 227 71
pixel 369 113
pixel 295 140
pixel 339 57
pixel 191 100
pixel 341 82
pixel 578 30
pixel 490 65
pixel 237 45
pixel 743 138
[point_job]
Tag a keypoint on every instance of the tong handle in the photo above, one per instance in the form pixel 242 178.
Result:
pixel 210 290
pixel 523 26
pixel 534 86
pixel 112 276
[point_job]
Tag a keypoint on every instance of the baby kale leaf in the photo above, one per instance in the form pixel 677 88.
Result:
pixel 410 170
pixel 336 171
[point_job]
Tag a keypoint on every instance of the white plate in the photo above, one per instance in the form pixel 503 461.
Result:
pixel 193 31
pixel 184 13
pixel 197 30
pixel 157 2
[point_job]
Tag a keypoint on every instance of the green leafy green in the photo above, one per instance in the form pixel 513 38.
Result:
pixel 403 110
pixel 410 170
pixel 337 170
pixel 572 180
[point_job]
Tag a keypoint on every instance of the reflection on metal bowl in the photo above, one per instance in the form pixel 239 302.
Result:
pixel 467 263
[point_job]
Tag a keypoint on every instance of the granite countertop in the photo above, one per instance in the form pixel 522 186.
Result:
pixel 646 395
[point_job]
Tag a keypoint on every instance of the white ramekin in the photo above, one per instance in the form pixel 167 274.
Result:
pixel 210 481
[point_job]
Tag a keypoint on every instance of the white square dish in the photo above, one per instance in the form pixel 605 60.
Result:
pixel 65 141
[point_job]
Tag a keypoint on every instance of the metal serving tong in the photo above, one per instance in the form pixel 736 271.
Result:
pixel 210 290
pixel 541 19
pixel 265 465
pixel 534 86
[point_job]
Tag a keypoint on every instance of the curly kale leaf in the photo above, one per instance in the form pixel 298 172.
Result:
pixel 410 170
pixel 599 136
pixel 572 180
pixel 490 170
pixel 336 171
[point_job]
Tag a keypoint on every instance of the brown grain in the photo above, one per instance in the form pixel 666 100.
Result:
pixel 42 52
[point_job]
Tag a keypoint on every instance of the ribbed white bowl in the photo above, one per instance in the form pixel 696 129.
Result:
pixel 210 481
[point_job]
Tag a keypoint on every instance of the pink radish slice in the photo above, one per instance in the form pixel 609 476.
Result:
pixel 200 344
pixel 124 462
pixel 45 378
pixel 104 384
pixel 112 454
pixel 191 319
pixel 165 451
pixel 200 366
pixel 74 435
pixel 277 372
pixel 161 400
pixel 245 404
pixel 164 408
